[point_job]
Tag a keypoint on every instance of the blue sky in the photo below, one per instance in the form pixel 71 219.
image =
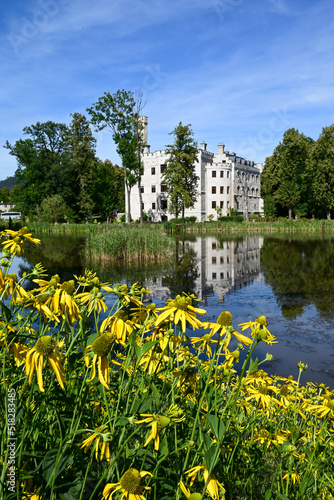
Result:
pixel 241 72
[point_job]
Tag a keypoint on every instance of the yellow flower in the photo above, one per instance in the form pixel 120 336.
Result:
pixel 129 484
pixel 180 310
pixel 16 239
pixel 59 298
pixel 44 347
pixel 213 485
pixel 101 347
pixel 9 285
pixel 191 496
pixel 259 330
pixel 159 422
pixel 99 439
pixel 263 394
pixel 117 326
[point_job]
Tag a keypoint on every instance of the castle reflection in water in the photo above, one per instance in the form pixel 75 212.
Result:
pixel 209 266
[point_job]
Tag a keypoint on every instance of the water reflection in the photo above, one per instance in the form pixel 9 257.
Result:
pixel 209 266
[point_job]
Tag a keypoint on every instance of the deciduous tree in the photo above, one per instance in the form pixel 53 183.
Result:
pixel 117 113
pixel 180 175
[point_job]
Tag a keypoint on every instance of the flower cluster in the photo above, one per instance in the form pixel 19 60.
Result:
pixel 120 399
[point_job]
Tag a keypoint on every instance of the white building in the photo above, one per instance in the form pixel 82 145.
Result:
pixel 226 181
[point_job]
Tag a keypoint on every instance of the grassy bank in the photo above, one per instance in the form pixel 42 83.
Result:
pixel 106 397
pixel 256 226
pixel 129 244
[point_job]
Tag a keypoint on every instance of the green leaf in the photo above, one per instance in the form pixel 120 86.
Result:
pixel 253 366
pixel 216 425
pixel 211 458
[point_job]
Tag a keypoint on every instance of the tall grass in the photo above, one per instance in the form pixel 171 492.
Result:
pixel 129 244
pixel 256 226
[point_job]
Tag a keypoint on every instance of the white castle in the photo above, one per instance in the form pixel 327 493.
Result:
pixel 226 181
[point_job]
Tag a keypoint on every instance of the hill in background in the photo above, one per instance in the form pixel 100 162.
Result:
pixel 10 182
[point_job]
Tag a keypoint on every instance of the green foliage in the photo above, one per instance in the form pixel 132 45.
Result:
pixel 108 190
pixel 320 172
pixel 232 219
pixel 53 209
pixel 42 161
pixel 81 144
pixel 117 112
pixel 283 173
pixel 180 175
pixel 269 206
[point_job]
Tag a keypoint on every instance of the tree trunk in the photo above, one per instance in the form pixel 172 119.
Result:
pixel 140 203
pixel 290 213
pixel 128 207
pixel 329 215
pixel 183 211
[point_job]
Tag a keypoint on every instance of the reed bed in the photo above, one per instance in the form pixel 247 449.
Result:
pixel 256 226
pixel 129 243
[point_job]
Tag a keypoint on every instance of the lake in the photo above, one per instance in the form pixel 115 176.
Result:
pixel 289 279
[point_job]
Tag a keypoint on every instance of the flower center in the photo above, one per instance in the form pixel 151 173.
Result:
pixel 102 346
pixel 44 345
pixel 225 318
pixel 162 421
pixel 263 389
pixel 130 481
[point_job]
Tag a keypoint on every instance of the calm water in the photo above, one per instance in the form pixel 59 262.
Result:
pixel 288 279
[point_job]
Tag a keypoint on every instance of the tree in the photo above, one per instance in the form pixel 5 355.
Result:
pixel 283 173
pixel 320 171
pixel 41 159
pixel 4 194
pixel 81 144
pixel 109 189
pixel 117 113
pixel 53 209
pixel 180 174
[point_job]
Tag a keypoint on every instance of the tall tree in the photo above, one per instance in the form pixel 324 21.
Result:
pixel 117 113
pixel 109 189
pixel 82 144
pixel 283 173
pixel 320 171
pixel 180 174
pixel 41 159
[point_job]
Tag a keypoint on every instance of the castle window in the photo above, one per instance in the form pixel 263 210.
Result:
pixel 152 189
pixel 222 173
pixel 214 260
pixel 152 170
pixel 221 189
pixel 163 168
pixel 163 188
pixel 221 276
pixel 214 173
pixel 214 276
pixel 141 189
pixel 228 175
pixel 228 189
pixel 221 204
pixel 213 204
pixel 164 204
pixel 213 190
pixel 153 206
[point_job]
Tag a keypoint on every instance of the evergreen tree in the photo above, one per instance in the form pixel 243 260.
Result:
pixel 180 174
